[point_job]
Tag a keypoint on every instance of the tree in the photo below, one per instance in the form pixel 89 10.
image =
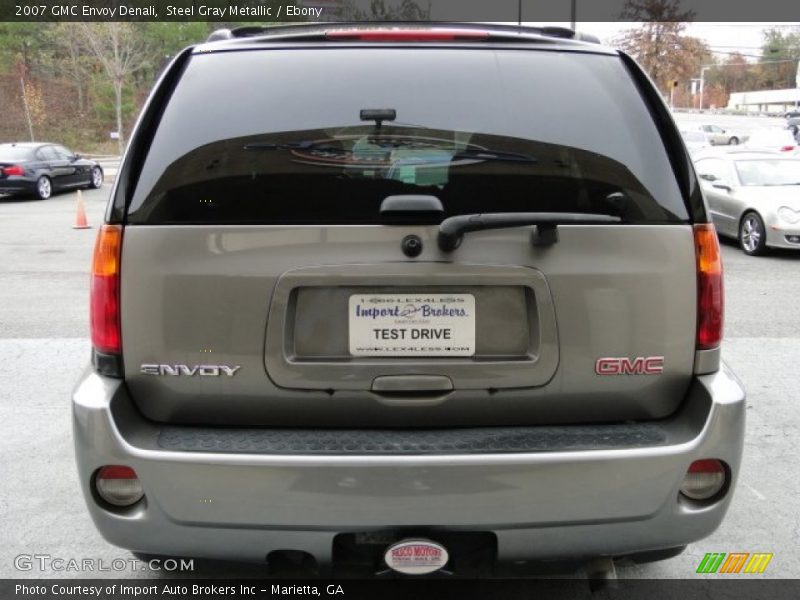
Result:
pixel 163 40
pixel 71 59
pixel 659 44
pixel 779 46
pixel 735 74
pixel 120 50
pixel 23 43
pixel 34 105
pixel 380 10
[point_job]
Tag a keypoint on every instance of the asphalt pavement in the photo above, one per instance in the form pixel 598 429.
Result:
pixel 44 346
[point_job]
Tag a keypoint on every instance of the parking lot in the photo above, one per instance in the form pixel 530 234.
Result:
pixel 44 346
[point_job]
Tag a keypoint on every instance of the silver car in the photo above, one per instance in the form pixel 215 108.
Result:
pixel 753 196
pixel 376 298
pixel 723 137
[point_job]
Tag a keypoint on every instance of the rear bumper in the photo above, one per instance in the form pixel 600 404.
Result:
pixel 559 502
pixel 17 185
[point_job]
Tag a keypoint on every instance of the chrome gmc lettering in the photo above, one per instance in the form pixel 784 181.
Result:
pixel 650 365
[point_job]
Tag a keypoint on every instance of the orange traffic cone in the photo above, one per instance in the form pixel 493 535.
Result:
pixel 80 216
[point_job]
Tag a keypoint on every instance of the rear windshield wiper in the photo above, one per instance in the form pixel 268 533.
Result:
pixel 303 145
pixel 452 230
pixel 498 155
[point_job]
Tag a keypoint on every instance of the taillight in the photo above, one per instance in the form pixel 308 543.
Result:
pixel 709 287
pixel 14 170
pixel 105 315
pixel 787 148
pixel 407 35
pixel 118 485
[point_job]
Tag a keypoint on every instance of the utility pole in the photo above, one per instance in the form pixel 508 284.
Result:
pixel 574 14
pixel 702 84
pixel 797 85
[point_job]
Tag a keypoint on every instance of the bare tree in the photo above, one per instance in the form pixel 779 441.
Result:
pixel 380 10
pixel 658 44
pixel 70 59
pixel 120 51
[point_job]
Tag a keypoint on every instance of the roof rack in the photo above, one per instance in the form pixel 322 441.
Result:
pixel 318 31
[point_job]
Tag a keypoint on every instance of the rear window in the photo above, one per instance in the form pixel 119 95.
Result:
pixel 14 153
pixel 278 137
pixel 693 136
pixel 768 172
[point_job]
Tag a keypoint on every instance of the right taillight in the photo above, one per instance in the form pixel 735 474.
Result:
pixel 709 287
pixel 105 314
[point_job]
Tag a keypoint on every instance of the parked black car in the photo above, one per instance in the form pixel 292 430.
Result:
pixel 793 123
pixel 39 169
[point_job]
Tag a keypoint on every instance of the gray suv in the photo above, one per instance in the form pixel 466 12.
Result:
pixel 388 297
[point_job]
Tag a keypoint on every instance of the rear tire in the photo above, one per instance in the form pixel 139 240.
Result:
pixel 44 188
pixel 752 234
pixel 734 141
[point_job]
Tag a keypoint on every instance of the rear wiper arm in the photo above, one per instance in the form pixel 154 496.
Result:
pixel 452 230
pixel 304 145
pixel 497 155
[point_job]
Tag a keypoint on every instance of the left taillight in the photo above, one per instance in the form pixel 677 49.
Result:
pixel 105 292
pixel 13 170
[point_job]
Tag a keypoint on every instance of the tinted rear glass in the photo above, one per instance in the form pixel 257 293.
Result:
pixel 277 136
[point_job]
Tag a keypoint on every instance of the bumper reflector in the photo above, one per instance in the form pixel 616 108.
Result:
pixel 118 485
pixel 704 479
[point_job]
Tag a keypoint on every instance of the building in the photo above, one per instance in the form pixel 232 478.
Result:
pixel 772 101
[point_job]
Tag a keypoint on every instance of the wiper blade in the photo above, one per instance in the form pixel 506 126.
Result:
pixel 498 155
pixel 305 145
pixel 452 230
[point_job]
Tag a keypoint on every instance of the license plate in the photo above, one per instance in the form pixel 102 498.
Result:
pixel 412 324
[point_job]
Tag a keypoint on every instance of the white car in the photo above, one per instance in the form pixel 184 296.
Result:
pixel 695 140
pixel 773 138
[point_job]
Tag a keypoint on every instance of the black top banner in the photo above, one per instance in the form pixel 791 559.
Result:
pixel 400 10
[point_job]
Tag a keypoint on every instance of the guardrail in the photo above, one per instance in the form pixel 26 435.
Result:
pixel 724 111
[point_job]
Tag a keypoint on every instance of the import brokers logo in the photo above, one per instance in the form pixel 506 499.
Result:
pixel 735 562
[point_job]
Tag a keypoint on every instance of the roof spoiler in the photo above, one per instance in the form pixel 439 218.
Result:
pixel 318 30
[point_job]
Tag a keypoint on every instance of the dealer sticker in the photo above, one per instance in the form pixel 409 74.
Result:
pixel 412 324
pixel 416 557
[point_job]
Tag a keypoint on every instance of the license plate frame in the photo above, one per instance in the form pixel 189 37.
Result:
pixel 412 325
